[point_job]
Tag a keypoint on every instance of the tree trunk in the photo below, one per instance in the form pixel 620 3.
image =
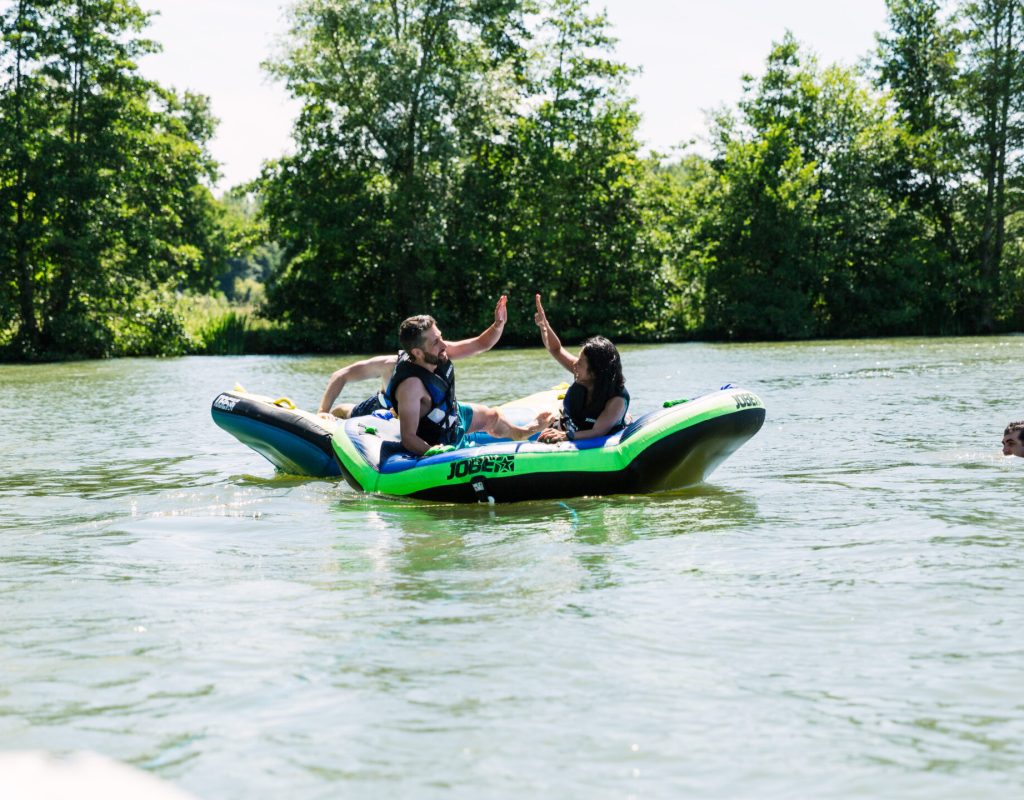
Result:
pixel 72 222
pixel 997 80
pixel 28 331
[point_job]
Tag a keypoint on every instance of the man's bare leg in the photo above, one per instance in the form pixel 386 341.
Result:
pixel 497 425
pixel 343 410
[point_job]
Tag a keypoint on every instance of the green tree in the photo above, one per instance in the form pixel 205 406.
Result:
pixel 993 101
pixel 103 179
pixel 23 116
pixel 806 235
pixel 447 151
pixel 395 95
pixel 579 203
pixel 682 210
pixel 870 241
pixel 253 258
pixel 763 274
pixel 917 60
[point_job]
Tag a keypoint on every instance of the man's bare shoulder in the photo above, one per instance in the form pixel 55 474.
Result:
pixel 383 363
pixel 410 390
pixel 377 365
pixel 388 360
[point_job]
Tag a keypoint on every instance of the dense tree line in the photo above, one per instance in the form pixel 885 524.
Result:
pixel 888 200
pixel 495 155
pixel 451 150
pixel 103 185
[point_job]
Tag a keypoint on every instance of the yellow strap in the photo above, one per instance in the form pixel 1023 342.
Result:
pixel 284 402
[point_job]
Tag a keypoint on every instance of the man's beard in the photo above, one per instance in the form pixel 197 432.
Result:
pixel 430 358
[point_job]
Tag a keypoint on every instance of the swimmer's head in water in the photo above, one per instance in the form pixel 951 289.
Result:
pixel 1013 443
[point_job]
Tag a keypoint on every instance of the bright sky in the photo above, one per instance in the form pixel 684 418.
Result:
pixel 692 53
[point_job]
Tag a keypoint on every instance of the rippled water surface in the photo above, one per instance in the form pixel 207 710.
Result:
pixel 838 614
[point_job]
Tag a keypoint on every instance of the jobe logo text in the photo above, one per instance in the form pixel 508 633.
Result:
pixel 472 466
pixel 746 401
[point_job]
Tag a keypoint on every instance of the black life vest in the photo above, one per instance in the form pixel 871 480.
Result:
pixel 581 416
pixel 440 425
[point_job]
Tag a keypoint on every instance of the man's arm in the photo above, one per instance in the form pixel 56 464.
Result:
pixel 409 398
pixel 486 340
pixel 379 367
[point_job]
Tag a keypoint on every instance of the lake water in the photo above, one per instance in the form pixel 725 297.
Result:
pixel 839 613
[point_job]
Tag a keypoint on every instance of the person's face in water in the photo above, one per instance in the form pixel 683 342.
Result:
pixel 1012 444
pixel 433 350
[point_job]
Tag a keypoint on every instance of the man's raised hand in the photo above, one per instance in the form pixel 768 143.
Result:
pixel 501 312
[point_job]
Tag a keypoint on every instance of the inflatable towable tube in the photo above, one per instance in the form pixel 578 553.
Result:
pixel 291 439
pixel 669 448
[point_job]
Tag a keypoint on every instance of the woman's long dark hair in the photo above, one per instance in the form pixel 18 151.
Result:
pixel 606 366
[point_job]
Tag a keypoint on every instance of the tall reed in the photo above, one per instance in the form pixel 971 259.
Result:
pixel 225 335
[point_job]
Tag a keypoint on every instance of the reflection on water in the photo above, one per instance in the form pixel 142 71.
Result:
pixel 431 551
pixel 127 477
pixel 837 609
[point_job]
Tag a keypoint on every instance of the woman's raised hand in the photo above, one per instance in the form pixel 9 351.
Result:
pixel 551 341
pixel 542 321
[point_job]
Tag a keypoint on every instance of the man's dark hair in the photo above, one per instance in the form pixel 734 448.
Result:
pixel 605 364
pixel 1015 427
pixel 410 332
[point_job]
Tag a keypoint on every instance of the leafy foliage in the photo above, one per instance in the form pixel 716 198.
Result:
pixel 439 163
pixel 450 150
pixel 102 178
pixel 838 211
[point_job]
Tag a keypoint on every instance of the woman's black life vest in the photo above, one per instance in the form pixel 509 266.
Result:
pixel 579 416
pixel 440 425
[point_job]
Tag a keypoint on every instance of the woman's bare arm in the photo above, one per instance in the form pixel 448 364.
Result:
pixel 550 338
